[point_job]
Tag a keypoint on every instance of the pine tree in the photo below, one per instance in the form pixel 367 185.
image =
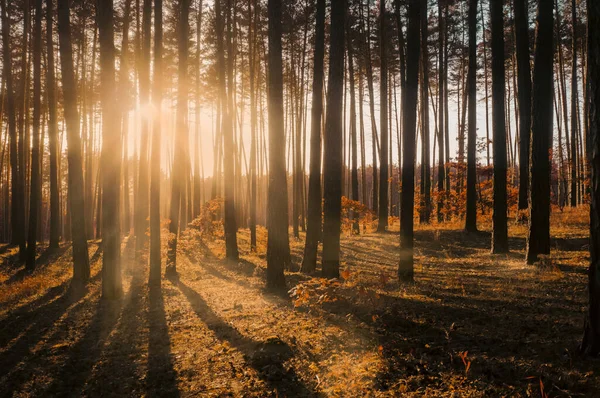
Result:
pixel 314 218
pixel 538 238
pixel 81 262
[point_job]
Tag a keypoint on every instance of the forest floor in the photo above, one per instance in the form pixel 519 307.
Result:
pixel 472 324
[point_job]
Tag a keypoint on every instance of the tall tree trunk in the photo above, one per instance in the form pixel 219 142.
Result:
pixel 591 337
pixel 155 249
pixel 17 194
pixel 197 137
pixel 332 168
pixel 574 101
pixel 383 122
pixel 441 114
pixel 353 140
pixel 425 214
pixel 181 134
pixel 278 245
pixel 409 126
pixel 538 238
pixel 142 204
pixel 524 80
pixel 227 125
pixel 112 286
pixel 52 131
pixel 81 263
pixel 252 36
pixel 471 216
pixel 313 221
pixel 125 87
pixel 499 218
pixel 36 187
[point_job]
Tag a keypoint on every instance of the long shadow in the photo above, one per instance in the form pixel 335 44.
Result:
pixel 4 248
pixel 44 259
pixel 269 363
pixel 84 354
pixel 125 348
pixel 29 334
pixel 161 379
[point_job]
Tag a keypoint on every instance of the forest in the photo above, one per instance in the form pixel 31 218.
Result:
pixel 311 198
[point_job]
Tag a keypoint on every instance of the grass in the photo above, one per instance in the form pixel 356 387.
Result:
pixel 472 324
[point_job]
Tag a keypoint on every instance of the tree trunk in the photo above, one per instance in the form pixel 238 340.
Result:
pixel 155 249
pixel 538 238
pixel 17 194
pixel 112 286
pixel 524 79
pixel 591 337
pixel 383 122
pixel 36 187
pixel 353 138
pixel 574 116
pixel 332 168
pixel 278 245
pixel 313 221
pixel 409 126
pixel 252 35
pixel 142 204
pixel 441 114
pixel 227 126
pixel 471 216
pixel 52 131
pixel 499 218
pixel 81 263
pixel 425 214
pixel 181 133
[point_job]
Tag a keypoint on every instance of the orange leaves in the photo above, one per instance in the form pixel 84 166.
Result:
pixel 465 360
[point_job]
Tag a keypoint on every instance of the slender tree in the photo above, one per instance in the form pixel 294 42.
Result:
pixel 155 252
pixel 111 155
pixel 383 121
pixel 227 126
pixel 409 126
pixel 332 168
pixel 591 336
pixel 313 224
pixel 17 196
pixel 574 102
pixel 81 261
pixel 441 111
pixel 36 187
pixel 181 133
pixel 278 244
pixel 538 238
pixel 52 131
pixel 471 216
pixel 353 138
pixel 142 205
pixel 499 218
pixel 425 213
pixel 524 93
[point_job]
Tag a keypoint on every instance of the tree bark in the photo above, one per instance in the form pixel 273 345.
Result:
pixel 471 216
pixel 383 122
pixel 524 81
pixel 591 337
pixel 332 168
pixel 155 249
pixel 313 221
pixel 409 125
pixel 81 263
pixel 112 286
pixel 52 132
pixel 36 187
pixel 499 217
pixel 538 238
pixel 278 245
